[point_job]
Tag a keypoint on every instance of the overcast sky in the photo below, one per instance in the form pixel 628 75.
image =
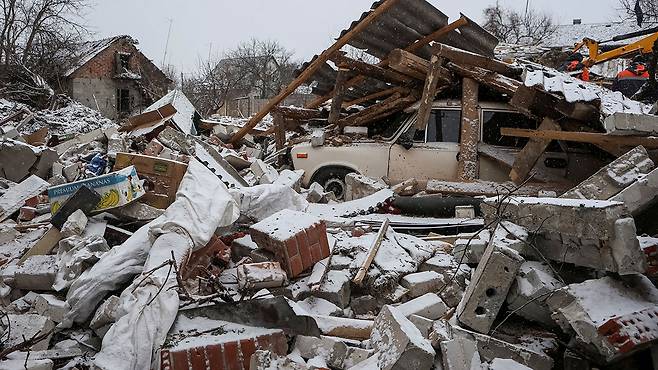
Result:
pixel 203 27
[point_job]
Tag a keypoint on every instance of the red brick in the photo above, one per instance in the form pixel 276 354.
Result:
pixel 248 348
pixel 197 358
pixel 215 356
pixel 178 360
pixel 296 267
pixel 304 250
pixel 292 247
pixel 232 356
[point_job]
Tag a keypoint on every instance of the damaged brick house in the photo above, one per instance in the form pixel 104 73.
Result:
pixel 114 77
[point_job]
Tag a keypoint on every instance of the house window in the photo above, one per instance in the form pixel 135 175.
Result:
pixel 123 100
pixel 123 62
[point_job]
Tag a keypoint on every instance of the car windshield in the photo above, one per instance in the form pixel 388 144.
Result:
pixel 389 131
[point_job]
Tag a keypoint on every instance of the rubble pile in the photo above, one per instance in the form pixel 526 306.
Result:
pixel 173 242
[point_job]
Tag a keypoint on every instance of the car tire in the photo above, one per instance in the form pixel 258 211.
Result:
pixel 333 179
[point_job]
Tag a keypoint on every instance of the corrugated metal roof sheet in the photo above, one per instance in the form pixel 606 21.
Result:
pixel 575 90
pixel 406 22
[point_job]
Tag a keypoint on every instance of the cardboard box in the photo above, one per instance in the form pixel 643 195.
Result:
pixel 162 177
pixel 116 189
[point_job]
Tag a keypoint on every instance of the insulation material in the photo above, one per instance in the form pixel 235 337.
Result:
pixel 262 201
pixel 201 206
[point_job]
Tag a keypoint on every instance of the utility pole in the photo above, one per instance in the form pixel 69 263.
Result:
pixel 527 6
pixel 164 58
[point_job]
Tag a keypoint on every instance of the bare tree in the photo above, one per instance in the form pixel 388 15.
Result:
pixel 514 27
pixel 254 68
pixel 641 10
pixel 40 34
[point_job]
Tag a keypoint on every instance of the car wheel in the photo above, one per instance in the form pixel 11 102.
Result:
pixel 333 179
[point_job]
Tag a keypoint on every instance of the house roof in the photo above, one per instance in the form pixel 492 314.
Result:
pixel 570 34
pixel 90 49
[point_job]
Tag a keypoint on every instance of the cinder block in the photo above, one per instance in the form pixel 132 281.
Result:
pixel 36 273
pixel 298 240
pixel 460 354
pixel 52 307
pixel 400 343
pixel 358 186
pixel 261 275
pixel 335 288
pixel 490 284
pixel 429 306
pixel 421 283
pixel 528 294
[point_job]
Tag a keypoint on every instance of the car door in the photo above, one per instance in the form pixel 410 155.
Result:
pixel 435 151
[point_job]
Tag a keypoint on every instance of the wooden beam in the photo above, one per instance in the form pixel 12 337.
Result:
pixel 435 36
pixel 372 253
pixel 339 95
pixel 584 137
pixel 299 114
pixel 463 57
pixel 312 68
pixel 427 100
pixel 496 81
pixel 370 70
pixel 393 104
pixel 468 166
pixel 414 66
pixel 377 95
pixel 530 154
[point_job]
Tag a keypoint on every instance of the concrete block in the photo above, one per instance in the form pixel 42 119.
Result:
pixel 397 295
pixel 355 130
pixel 467 212
pixel 587 219
pixel 359 186
pixel 421 283
pixel 407 188
pixel 106 313
pixel 19 362
pixel 365 305
pixel 72 171
pixel 16 160
pixel 292 179
pixel 335 288
pixel 261 275
pixel 528 294
pixel 266 360
pixel 507 364
pixel 615 177
pixel 52 307
pixel 429 306
pixel 317 138
pixel 400 343
pixel 75 224
pixel 506 234
pixel 640 195
pixel 265 173
pixel 460 354
pixel 490 284
pixel 491 348
pixel 611 318
pixel 631 124
pixel 320 306
pixel 424 325
pixel 441 263
pixel 334 352
pixel 36 273
pixel 28 326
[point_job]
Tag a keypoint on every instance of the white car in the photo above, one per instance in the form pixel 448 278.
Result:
pixel 435 153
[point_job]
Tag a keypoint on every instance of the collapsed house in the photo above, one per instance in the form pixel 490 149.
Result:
pixel 174 242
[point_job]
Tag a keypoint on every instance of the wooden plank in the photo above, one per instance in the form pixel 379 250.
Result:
pixel 372 253
pixel 438 34
pixel 584 137
pixel 468 166
pixel 530 154
pixel 369 70
pixel 44 246
pixel 416 67
pixel 312 68
pixel 463 57
pixel 299 114
pixel 339 95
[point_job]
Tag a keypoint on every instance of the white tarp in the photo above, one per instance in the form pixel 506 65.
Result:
pixel 262 201
pixel 202 204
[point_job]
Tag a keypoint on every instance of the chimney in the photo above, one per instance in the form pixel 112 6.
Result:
pixel 577 21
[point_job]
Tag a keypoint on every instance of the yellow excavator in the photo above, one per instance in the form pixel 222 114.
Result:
pixel 598 56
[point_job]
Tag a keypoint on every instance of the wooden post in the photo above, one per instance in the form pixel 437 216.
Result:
pixel 528 157
pixel 372 253
pixel 339 96
pixel 370 70
pixel 280 134
pixel 468 168
pixel 312 68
